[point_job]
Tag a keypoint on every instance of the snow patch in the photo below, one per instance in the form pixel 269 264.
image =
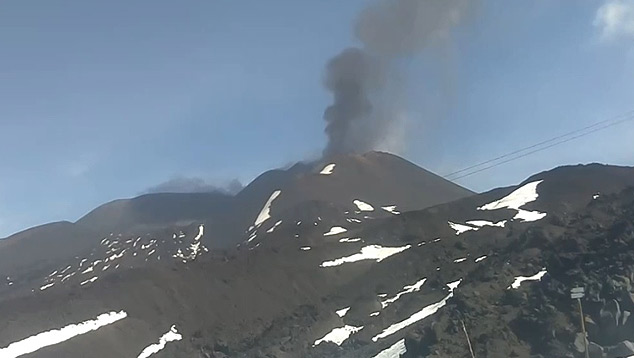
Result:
pixel 336 230
pixel 347 239
pixel 90 280
pixel 520 279
pixel 305 248
pixel 342 312
pixel 462 259
pixel 338 335
pixel 171 336
pixel 518 198
pixel 265 213
pixel 394 351
pixel 483 223
pixel 407 289
pixel 526 216
pixel 195 248
pixel 374 314
pixel 474 225
pixel 391 209
pixel 56 336
pixel 371 252
pixel 460 229
pixel 116 256
pixel 363 206
pixel 480 258
pixel 422 314
pixel 328 169
pixel 47 286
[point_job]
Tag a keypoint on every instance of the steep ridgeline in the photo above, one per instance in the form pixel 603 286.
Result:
pixel 339 185
pixel 324 279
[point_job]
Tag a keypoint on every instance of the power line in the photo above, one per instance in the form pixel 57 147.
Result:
pixel 627 114
pixel 557 141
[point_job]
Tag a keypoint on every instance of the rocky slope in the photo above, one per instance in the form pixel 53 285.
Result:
pixel 353 279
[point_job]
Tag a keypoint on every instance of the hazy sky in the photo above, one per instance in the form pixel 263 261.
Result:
pixel 105 99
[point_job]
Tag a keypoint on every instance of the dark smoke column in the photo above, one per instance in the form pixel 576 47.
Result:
pixel 367 110
pixel 352 77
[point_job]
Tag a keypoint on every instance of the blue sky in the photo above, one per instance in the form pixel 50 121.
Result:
pixel 104 99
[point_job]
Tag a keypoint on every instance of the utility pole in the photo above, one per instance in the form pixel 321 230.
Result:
pixel 578 293
pixel 464 328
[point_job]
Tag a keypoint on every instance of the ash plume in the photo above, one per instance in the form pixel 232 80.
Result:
pixel 368 111
pixel 195 185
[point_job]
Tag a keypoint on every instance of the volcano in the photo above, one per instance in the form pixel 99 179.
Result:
pixel 355 256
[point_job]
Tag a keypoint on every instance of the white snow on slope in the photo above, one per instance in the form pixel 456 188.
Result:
pixel 372 252
pixel 305 248
pixel 338 335
pixel 518 198
pixel 394 351
pixel 480 258
pixel 195 248
pixel 335 230
pixel 483 223
pixel 407 289
pixel 170 336
pixel 90 280
pixel 422 314
pixel 274 227
pixel 363 206
pixel 347 239
pixel 474 225
pixel 460 229
pixel 526 216
pixel 116 256
pixel 265 213
pixel 459 260
pixel 68 276
pixel 47 286
pixel 328 169
pixel 56 336
pixel 520 279
pixel 342 312
pixel 391 209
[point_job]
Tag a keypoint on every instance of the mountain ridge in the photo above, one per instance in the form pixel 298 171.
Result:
pixel 275 296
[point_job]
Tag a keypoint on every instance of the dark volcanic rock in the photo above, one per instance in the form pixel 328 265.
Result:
pixel 300 289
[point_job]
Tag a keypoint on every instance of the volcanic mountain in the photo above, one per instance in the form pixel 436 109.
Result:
pixel 370 267
pixel 381 178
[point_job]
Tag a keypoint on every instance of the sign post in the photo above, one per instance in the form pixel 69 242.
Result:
pixel 578 293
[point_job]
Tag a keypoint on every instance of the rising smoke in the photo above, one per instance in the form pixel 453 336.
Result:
pixel 368 111
pixel 195 185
